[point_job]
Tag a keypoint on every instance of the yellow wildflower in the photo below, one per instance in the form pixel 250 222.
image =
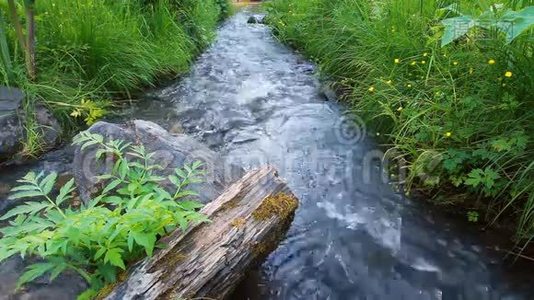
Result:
pixel 423 62
pixel 508 74
pixel 409 85
pixel 397 61
pixel 491 61
pixel 413 63
pixel 399 109
pixel 389 81
pixel 448 134
pixel 425 54
pixel 455 63
pixel 371 89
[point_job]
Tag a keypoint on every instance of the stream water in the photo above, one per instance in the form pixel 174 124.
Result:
pixel 256 101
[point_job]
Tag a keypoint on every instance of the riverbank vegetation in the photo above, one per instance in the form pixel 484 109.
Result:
pixel 88 52
pixel 99 238
pixel 446 84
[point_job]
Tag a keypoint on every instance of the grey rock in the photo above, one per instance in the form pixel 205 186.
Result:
pixel 11 135
pixel 172 151
pixel 49 127
pixel 67 286
pixel 10 99
pixel 256 19
pixel 12 121
pixel 11 131
pixel 58 161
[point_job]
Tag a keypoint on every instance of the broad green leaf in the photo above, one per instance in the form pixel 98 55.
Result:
pixel 65 191
pixel 190 205
pixel 88 144
pixel 99 253
pixel 197 164
pixel 115 200
pixel 182 222
pixel 162 193
pixel 57 270
pixel 114 257
pixel 48 183
pixel 104 177
pixel 34 271
pixel 175 180
pixel 111 186
pixel 25 194
pixel 185 194
pixel 180 173
pixel 88 294
pixel 28 208
pixel 146 240
pixel 24 188
pixel 130 242
pixel 108 271
pixel 123 169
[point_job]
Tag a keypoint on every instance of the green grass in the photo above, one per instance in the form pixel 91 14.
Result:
pixel 465 128
pixel 90 52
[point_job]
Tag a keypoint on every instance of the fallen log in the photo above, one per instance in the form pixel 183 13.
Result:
pixel 210 259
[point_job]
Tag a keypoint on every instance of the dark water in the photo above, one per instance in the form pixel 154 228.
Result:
pixel 257 102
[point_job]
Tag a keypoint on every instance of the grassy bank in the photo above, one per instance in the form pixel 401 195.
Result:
pixel 89 52
pixel 461 114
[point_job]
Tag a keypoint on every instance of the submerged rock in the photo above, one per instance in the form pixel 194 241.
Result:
pixel 172 151
pixel 256 19
pixel 328 93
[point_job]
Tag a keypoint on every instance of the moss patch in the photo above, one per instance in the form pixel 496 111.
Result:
pixel 238 222
pixel 282 204
pixel 233 203
pixel 108 288
pixel 170 261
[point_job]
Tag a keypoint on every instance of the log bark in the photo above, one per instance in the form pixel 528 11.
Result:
pixel 210 259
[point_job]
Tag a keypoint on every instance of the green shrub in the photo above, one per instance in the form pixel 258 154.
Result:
pixel 99 238
pixel 460 114
pixel 225 8
pixel 91 51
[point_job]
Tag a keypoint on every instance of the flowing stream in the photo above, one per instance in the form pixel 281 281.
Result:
pixel 256 102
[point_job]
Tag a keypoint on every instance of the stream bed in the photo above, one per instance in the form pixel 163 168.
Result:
pixel 255 101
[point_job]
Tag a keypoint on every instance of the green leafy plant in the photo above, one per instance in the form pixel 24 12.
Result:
pixel 225 8
pixel 99 238
pixel 134 44
pixel 472 216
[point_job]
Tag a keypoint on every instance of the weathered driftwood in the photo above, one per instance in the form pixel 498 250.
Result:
pixel 210 259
